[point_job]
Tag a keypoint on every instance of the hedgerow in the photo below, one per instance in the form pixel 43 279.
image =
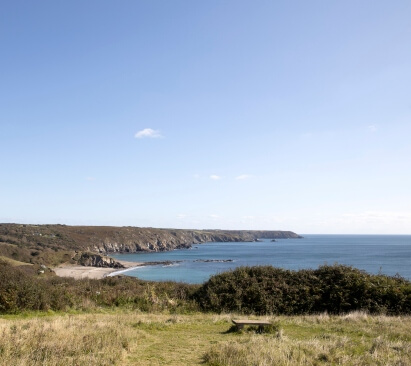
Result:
pixel 21 290
pixel 261 290
pixel 334 289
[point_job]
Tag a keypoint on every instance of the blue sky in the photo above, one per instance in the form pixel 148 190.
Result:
pixel 207 114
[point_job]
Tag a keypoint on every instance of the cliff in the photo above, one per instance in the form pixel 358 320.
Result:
pixel 43 243
pixel 97 260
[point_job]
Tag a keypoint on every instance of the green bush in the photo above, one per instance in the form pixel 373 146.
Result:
pixel 249 290
pixel 22 290
pixel 334 289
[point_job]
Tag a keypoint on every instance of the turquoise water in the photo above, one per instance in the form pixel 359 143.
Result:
pixel 388 254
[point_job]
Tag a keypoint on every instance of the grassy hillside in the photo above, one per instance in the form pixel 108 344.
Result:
pixel 34 252
pixel 130 338
pixel 13 262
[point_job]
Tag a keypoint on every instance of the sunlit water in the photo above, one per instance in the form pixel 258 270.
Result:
pixel 388 254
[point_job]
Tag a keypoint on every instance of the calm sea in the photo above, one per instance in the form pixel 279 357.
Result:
pixel 388 254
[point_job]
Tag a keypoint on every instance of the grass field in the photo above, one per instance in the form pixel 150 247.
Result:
pixel 130 338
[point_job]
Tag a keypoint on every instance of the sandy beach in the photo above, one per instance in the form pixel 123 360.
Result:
pixel 79 272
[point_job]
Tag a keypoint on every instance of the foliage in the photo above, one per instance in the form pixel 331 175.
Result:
pixel 334 289
pixel 248 290
pixel 21 290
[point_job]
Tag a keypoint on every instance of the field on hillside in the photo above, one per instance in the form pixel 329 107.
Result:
pixel 133 338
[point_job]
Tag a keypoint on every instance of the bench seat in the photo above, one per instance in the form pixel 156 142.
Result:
pixel 241 322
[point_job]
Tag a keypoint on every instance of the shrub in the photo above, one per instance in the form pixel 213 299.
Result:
pixel 335 289
pixel 21 290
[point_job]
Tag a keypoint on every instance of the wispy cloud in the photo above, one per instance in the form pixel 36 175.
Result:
pixel 215 177
pixel 372 128
pixel 213 216
pixel 90 179
pixel 243 176
pixel 148 132
pixel 181 216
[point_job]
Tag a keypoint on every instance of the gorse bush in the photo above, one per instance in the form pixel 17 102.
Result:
pixel 334 289
pixel 249 290
pixel 21 291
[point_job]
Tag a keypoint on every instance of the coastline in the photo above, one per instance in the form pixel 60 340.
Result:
pixel 80 272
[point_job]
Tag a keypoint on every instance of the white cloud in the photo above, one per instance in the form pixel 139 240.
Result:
pixel 181 216
pixel 372 128
pixel 90 179
pixel 148 132
pixel 215 177
pixel 243 176
pixel 213 216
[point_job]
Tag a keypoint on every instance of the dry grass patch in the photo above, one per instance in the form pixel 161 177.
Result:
pixel 354 339
pixel 63 340
pixel 130 338
pixel 13 262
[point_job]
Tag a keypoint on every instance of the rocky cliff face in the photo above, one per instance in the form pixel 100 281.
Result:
pixel 131 241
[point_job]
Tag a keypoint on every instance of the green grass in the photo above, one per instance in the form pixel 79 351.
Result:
pixel 133 338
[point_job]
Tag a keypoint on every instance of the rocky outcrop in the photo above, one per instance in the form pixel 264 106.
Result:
pixel 96 260
pixel 164 240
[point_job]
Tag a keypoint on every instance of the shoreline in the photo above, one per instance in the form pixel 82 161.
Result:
pixel 81 272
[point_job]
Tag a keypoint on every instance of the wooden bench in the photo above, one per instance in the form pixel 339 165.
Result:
pixel 261 323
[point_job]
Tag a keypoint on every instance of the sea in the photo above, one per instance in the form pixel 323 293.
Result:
pixel 386 254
